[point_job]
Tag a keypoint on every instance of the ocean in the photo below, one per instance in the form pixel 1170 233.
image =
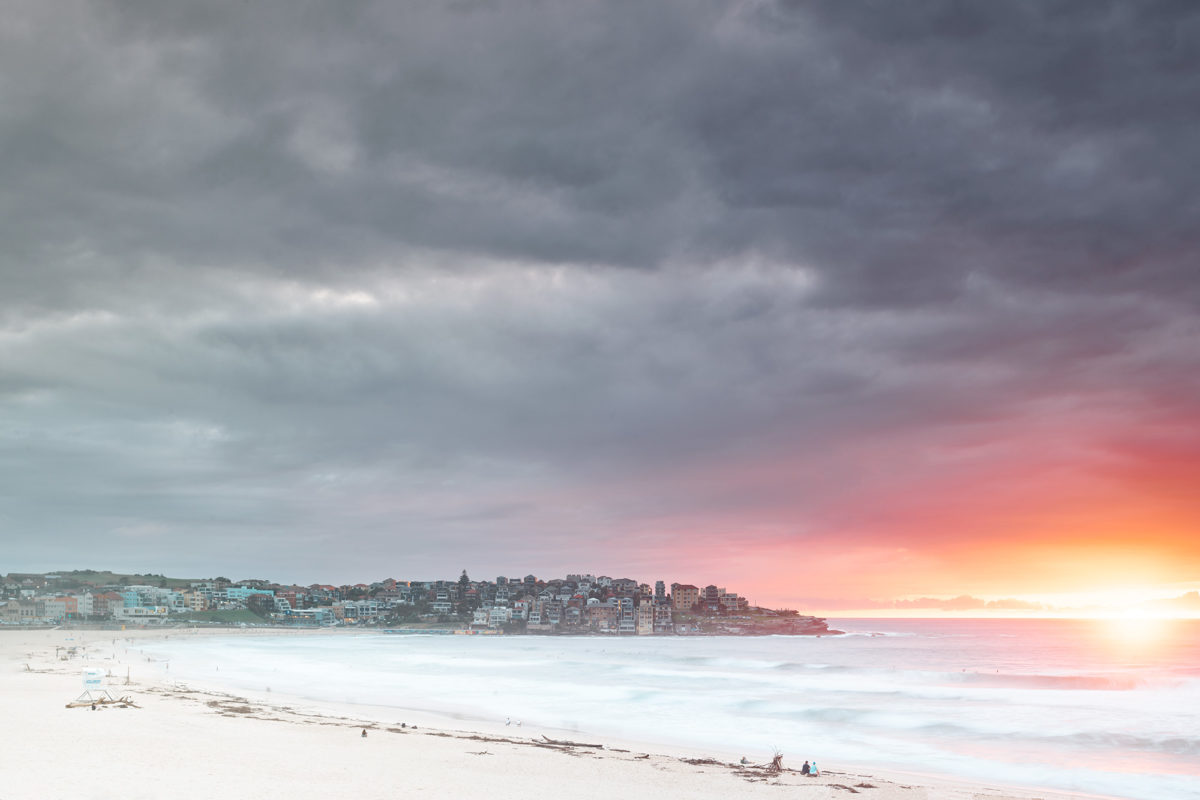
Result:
pixel 1072 705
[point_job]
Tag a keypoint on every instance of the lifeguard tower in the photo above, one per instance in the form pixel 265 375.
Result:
pixel 94 690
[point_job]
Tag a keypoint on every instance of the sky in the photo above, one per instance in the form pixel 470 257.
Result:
pixel 848 307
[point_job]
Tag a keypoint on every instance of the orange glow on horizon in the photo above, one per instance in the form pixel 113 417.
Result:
pixel 1006 537
pixel 1113 616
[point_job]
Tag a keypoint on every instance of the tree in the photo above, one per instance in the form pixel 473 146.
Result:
pixel 404 614
pixel 261 604
pixel 464 583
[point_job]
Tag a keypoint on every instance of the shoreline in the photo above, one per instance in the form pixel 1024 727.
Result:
pixel 455 752
pixel 166 628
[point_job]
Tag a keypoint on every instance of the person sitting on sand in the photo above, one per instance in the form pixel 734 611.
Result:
pixel 364 733
pixel 805 769
pixel 814 772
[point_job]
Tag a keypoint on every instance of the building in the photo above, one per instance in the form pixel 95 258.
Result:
pixel 140 614
pixel 645 619
pixel 59 608
pixel 626 616
pixel 602 618
pixel 732 603
pixel 357 609
pixel 240 593
pixel 684 596
pixel 197 600
pixel 319 615
pixel 105 603
pixel 19 611
pixel 624 586
pixel 663 621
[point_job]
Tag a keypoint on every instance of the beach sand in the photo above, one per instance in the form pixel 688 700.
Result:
pixel 192 741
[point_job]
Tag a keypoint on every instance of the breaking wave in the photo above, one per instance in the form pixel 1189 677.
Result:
pixel 1057 711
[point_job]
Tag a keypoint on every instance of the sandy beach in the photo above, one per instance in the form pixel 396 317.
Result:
pixel 185 740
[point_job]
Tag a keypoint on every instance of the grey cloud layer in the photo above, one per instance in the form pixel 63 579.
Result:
pixel 897 149
pixel 425 270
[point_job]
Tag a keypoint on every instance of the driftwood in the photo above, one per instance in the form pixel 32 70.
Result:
pixel 120 702
pixel 563 743
pixel 774 768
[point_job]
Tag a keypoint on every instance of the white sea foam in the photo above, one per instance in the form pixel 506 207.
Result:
pixel 1028 703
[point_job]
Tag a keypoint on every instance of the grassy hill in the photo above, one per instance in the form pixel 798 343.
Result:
pixel 83 578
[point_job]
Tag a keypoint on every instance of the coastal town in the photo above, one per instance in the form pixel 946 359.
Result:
pixel 575 604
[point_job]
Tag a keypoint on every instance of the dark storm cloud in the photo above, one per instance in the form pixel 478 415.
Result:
pixel 445 272
pixel 898 149
pixel 1036 141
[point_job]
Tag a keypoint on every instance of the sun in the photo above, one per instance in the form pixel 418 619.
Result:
pixel 1134 632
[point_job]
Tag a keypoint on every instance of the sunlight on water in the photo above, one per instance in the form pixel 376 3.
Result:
pixel 1139 635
